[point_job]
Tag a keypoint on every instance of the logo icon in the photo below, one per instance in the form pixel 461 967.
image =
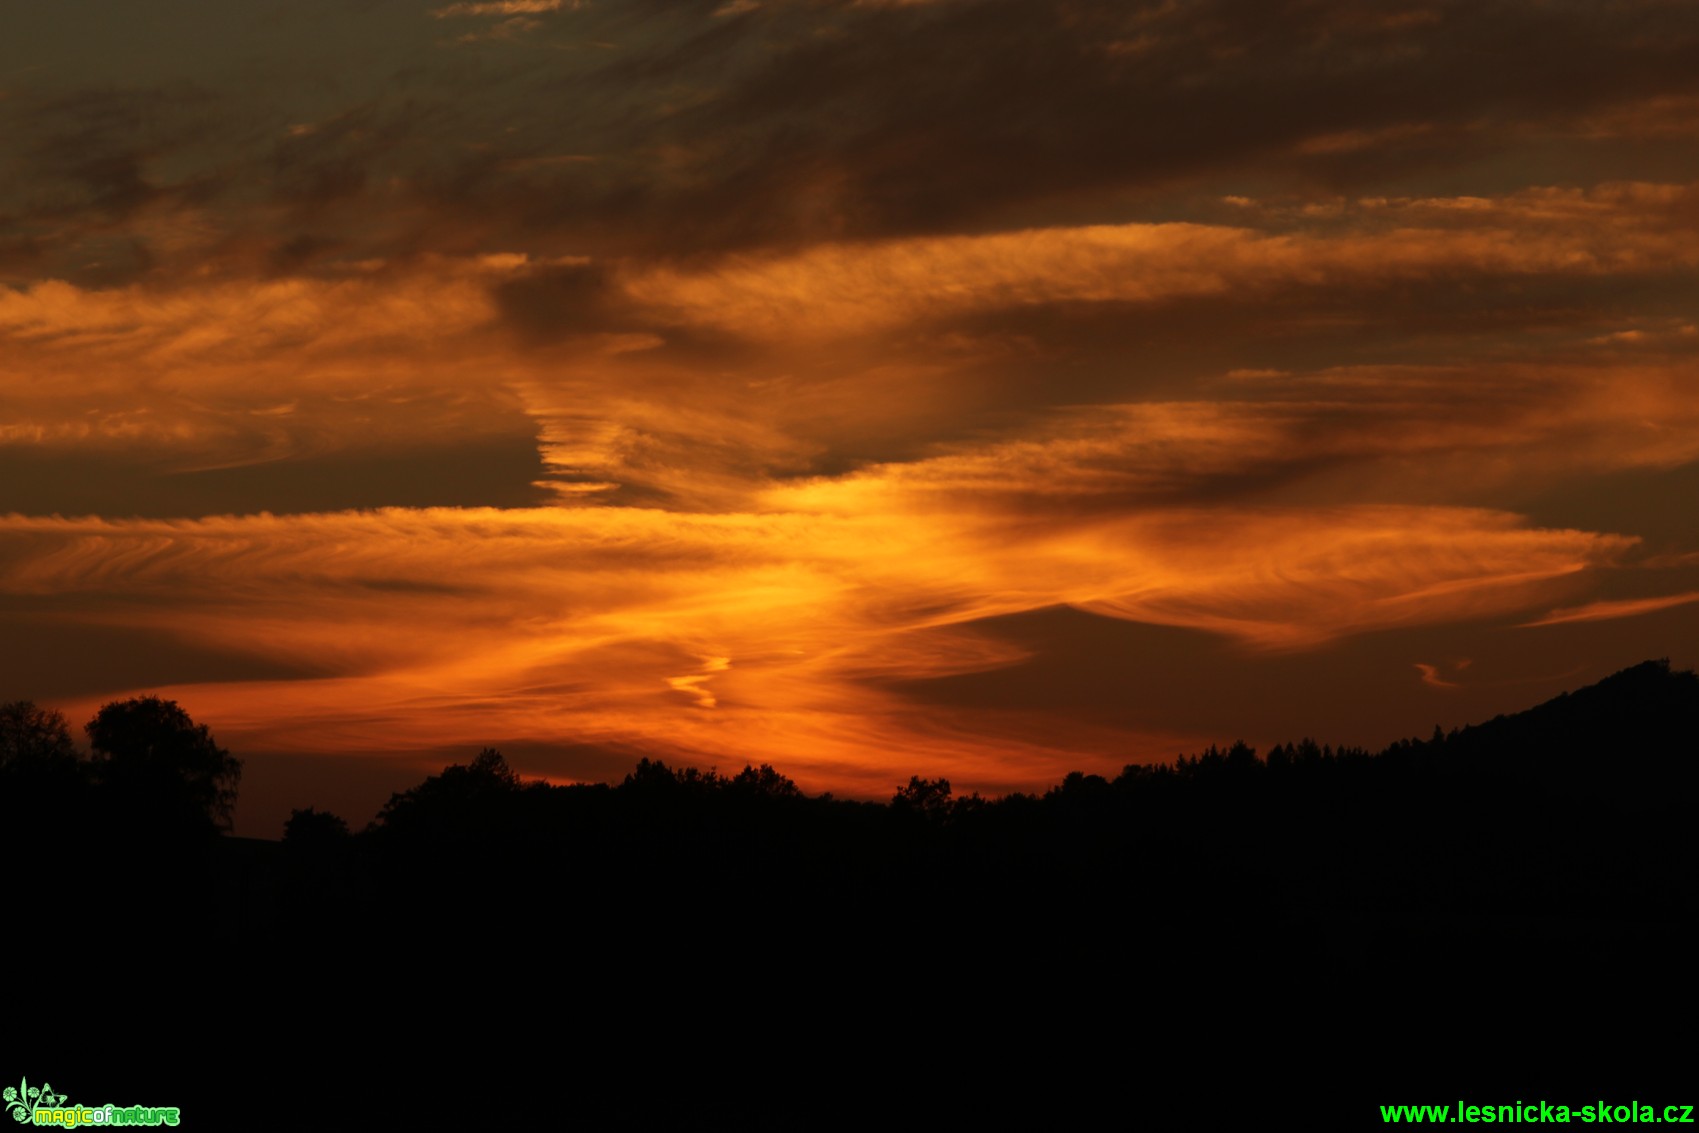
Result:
pixel 23 1099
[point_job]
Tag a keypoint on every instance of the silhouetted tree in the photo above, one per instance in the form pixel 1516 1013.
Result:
pixel 460 798
pixel 41 781
pixel 650 776
pixel 150 751
pixel 32 736
pixel 928 798
pixel 315 844
pixel 763 782
pixel 489 769
pixel 1242 758
pixel 314 828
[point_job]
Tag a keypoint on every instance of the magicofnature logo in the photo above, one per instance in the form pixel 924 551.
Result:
pixel 39 1105
pixel 23 1099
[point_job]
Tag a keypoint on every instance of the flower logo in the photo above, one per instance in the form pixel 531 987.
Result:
pixel 23 1099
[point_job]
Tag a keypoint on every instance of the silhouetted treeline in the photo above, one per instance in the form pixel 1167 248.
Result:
pixel 1469 867
pixel 1581 799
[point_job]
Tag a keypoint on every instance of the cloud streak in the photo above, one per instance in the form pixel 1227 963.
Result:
pixel 498 8
pixel 848 289
pixel 1618 608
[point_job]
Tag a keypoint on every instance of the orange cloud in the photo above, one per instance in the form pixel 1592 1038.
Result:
pixel 840 289
pixel 1618 608
pixel 1431 677
pixel 499 8
pixel 767 635
pixel 245 319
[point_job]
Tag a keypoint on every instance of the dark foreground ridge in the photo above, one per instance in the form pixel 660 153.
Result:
pixel 1515 897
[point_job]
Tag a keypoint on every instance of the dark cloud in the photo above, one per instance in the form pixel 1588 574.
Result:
pixel 1654 503
pixel 487 474
pixel 562 300
pixel 59 650
pixel 940 117
pixel 674 131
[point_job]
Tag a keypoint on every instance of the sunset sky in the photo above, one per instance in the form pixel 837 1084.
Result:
pixel 869 387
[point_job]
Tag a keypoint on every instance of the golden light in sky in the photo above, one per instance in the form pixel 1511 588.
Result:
pixel 969 388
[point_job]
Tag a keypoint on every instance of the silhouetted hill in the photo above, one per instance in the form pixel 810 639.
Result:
pixel 1631 740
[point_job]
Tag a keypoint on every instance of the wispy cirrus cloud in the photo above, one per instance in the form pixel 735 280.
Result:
pixel 500 8
pixel 858 288
pixel 673 633
pixel 1616 608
